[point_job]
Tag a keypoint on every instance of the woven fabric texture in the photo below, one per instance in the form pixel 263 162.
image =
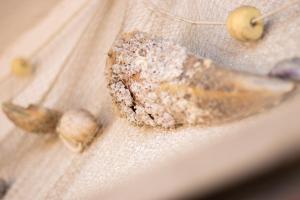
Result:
pixel 70 74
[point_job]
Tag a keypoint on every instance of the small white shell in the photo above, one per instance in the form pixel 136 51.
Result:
pixel 77 128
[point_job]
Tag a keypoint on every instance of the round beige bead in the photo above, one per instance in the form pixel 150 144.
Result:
pixel 21 67
pixel 240 24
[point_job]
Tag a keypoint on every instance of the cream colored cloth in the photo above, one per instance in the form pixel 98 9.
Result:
pixel 70 74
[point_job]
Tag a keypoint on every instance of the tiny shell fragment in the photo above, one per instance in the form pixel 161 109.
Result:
pixel 155 82
pixel 34 118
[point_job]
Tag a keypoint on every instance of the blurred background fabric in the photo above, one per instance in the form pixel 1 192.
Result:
pixel 125 162
pixel 16 17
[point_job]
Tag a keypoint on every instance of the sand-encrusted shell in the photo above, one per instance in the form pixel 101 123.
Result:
pixel 156 82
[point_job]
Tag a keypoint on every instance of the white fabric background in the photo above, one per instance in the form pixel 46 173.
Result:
pixel 42 168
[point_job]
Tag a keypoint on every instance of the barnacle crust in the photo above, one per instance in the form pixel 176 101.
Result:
pixel 157 83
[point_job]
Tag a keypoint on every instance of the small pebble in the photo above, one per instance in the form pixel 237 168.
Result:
pixel 34 118
pixel 288 69
pixel 3 188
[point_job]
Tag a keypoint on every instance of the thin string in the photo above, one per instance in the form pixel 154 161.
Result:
pixel 68 59
pixel 59 30
pixel 276 11
pixel 42 99
pixel 156 9
pixel 52 36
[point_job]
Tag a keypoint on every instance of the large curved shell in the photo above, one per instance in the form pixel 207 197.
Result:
pixel 155 82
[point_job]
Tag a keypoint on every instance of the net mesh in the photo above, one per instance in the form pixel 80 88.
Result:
pixel 41 167
pixel 213 41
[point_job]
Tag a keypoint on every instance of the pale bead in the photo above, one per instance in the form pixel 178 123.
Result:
pixel 21 67
pixel 240 24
